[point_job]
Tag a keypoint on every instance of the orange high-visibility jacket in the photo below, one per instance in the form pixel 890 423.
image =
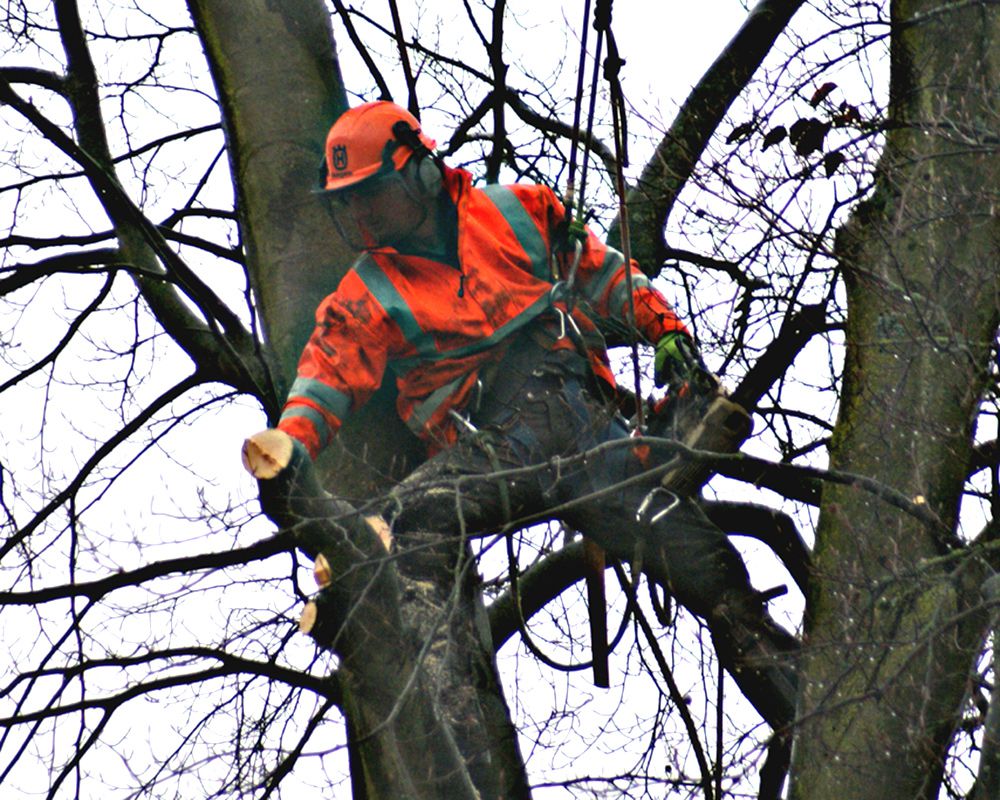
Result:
pixel 435 327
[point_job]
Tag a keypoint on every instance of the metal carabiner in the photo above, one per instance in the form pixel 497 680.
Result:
pixel 463 421
pixel 647 501
pixel 566 321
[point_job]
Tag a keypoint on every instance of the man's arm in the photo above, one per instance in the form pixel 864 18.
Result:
pixel 605 280
pixel 341 367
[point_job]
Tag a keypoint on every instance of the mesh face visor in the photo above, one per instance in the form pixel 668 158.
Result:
pixel 378 211
pixel 369 198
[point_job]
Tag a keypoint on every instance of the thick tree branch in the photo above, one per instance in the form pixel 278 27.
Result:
pixel 230 353
pixel 916 507
pixel 352 34
pixel 796 331
pixel 326 686
pixel 81 262
pixel 791 485
pixel 985 456
pixel 542 582
pixel 774 528
pixel 495 158
pixel 412 103
pixel 358 615
pixel 36 77
pixel 293 253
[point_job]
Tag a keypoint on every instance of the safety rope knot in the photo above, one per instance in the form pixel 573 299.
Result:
pixel 613 65
pixel 602 15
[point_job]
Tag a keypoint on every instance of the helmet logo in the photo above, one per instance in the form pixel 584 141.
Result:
pixel 339 157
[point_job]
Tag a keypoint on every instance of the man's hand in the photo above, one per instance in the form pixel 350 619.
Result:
pixel 678 362
pixel 267 453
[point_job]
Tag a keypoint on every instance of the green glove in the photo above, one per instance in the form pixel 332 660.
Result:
pixel 677 361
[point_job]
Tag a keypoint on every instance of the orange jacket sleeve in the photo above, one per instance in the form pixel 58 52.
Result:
pixel 341 367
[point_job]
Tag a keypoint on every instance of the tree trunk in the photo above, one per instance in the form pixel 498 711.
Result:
pixel 259 52
pixel 264 57
pixel 892 624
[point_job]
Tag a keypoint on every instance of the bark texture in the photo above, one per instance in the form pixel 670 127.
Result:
pixel 259 51
pixel 893 623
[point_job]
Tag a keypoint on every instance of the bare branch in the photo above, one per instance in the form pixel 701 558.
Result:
pixel 281 542
pixel 651 201
pixel 775 529
pixel 352 33
pixel 131 427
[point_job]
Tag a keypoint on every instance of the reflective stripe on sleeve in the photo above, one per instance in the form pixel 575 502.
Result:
pixel 524 228
pixel 619 295
pixel 326 397
pixel 315 419
pixel 425 409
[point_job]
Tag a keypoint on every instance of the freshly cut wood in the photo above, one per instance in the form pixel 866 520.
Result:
pixel 321 571
pixel 722 428
pixel 381 529
pixel 266 453
pixel 308 619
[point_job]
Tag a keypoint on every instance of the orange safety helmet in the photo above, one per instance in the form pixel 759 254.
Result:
pixel 368 139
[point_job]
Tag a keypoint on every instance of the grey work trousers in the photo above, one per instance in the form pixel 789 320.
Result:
pixel 538 437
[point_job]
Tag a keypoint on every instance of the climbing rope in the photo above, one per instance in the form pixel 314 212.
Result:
pixel 612 66
pixel 570 196
pixel 522 624
pixel 575 234
pixel 575 201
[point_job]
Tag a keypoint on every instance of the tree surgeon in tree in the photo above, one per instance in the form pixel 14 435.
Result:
pixel 466 297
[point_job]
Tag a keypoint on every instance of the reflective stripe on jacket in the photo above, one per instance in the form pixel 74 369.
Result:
pixel 434 326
